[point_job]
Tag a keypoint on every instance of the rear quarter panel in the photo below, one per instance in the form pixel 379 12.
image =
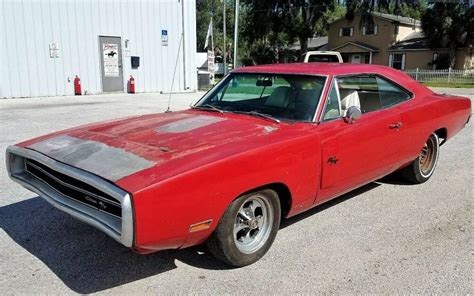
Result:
pixel 425 114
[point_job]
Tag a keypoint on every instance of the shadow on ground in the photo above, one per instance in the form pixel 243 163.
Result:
pixel 85 259
pixel 88 261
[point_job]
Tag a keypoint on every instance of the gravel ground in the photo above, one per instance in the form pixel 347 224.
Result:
pixel 385 237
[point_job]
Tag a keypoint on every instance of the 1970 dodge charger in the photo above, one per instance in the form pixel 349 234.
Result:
pixel 266 142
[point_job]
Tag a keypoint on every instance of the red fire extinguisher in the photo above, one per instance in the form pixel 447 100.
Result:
pixel 77 86
pixel 131 85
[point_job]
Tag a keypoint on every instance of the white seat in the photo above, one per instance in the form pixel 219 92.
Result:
pixel 349 98
pixel 279 97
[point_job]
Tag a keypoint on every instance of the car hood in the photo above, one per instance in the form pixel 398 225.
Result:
pixel 173 142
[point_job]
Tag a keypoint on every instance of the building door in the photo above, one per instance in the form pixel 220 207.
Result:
pixel 355 59
pixel 110 49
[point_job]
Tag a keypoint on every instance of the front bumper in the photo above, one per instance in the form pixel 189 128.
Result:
pixel 119 228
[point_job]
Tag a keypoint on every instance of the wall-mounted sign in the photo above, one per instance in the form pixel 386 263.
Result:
pixel 127 48
pixel 53 50
pixel 210 61
pixel 210 65
pixel 111 59
pixel 164 37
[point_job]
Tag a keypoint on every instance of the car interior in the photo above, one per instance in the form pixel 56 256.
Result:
pixel 289 97
pixel 369 93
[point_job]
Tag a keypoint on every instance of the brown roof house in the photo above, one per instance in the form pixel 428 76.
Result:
pixel 393 40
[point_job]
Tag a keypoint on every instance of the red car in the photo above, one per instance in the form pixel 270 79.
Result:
pixel 267 142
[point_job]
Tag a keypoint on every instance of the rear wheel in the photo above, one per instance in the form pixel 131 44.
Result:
pixel 421 169
pixel 247 229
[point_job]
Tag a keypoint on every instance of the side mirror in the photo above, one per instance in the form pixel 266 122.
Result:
pixel 353 113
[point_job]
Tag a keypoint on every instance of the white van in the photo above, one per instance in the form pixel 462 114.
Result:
pixel 321 57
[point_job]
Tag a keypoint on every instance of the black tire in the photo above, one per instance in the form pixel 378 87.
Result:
pixel 244 250
pixel 422 168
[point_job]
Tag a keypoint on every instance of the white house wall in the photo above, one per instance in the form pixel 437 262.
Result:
pixel 28 27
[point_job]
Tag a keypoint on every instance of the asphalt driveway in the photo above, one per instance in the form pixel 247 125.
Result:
pixel 386 237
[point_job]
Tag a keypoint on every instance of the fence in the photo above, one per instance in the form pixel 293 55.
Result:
pixel 442 76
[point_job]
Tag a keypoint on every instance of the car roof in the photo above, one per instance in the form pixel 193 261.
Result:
pixel 319 69
pixel 327 69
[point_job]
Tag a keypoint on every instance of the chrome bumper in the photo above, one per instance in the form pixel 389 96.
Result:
pixel 120 229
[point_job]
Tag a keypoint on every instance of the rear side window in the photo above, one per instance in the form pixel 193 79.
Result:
pixel 390 94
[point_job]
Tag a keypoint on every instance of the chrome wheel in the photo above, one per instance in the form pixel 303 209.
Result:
pixel 428 156
pixel 253 224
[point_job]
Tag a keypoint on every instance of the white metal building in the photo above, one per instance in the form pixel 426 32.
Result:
pixel 45 44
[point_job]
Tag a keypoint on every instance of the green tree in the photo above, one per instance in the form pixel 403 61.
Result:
pixel 302 18
pixel 407 8
pixel 204 10
pixel 268 26
pixel 448 25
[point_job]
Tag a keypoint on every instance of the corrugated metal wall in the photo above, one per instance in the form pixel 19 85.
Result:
pixel 28 27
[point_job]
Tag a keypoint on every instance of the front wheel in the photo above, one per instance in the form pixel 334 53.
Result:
pixel 421 169
pixel 247 229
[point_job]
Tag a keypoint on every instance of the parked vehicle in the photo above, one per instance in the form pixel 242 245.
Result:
pixel 321 57
pixel 266 143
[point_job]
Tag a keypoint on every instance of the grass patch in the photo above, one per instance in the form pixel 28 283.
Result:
pixel 449 85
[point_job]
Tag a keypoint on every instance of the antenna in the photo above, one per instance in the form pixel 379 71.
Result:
pixel 174 73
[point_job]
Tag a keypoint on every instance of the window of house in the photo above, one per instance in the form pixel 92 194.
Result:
pixel 332 109
pixel 370 30
pixel 435 58
pixel 397 61
pixel 346 31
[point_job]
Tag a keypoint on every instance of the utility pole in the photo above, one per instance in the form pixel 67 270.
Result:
pixel 212 32
pixel 225 46
pixel 236 32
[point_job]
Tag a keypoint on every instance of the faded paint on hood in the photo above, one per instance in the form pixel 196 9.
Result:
pixel 174 142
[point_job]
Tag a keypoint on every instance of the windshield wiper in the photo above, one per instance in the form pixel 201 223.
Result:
pixel 208 107
pixel 258 114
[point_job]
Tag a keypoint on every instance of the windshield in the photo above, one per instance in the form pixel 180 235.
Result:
pixel 277 96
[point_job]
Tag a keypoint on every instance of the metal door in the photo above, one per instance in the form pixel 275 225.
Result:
pixel 110 49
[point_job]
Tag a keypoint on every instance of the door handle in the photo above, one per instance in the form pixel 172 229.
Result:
pixel 396 125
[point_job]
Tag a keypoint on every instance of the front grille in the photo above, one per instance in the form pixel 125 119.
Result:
pixel 74 189
pixel 79 193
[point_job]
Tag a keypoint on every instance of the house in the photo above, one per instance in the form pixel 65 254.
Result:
pixel 315 43
pixel 392 40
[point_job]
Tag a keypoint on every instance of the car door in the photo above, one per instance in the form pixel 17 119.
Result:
pixel 353 154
